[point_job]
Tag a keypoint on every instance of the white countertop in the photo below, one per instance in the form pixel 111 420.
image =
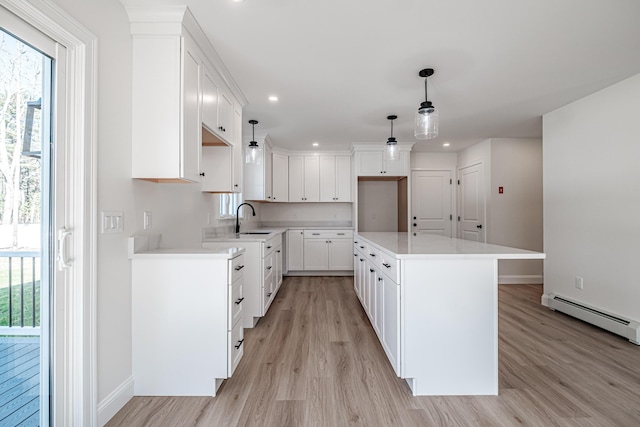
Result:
pixel 247 237
pixel 225 253
pixel 429 246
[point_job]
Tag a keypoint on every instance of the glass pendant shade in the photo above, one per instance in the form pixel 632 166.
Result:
pixel 391 153
pixel 254 154
pixel 426 123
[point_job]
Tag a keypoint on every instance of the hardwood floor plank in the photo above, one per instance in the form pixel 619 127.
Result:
pixel 315 360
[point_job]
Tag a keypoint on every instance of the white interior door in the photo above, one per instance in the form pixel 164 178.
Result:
pixel 431 202
pixel 472 203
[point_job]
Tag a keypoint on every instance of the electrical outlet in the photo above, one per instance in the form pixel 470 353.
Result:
pixel 147 220
pixel 579 282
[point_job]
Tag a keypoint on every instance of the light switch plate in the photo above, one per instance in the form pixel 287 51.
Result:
pixel 112 222
pixel 147 220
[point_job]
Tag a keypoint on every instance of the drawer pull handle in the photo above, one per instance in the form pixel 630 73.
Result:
pixel 361 247
pixel 269 294
pixel 361 260
pixel 269 247
pixel 315 234
pixel 340 234
pixel 237 346
pixel 371 270
pixel 379 279
pixel 239 267
pixel 239 301
pixel 356 242
pixel 355 254
pixel 270 267
pixel 277 252
pixel 372 254
pixel 386 265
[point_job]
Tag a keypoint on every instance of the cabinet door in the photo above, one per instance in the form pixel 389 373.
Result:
pixel 312 179
pixel 209 101
pixel 343 178
pixel 217 165
pixel 237 149
pixel 191 124
pixel 316 254
pixel 278 267
pixel 379 304
pixel 295 249
pixel 399 167
pixel 369 163
pixel 225 115
pixel 296 179
pixel 280 178
pixel 327 178
pixel 340 254
pixel 391 321
pixel 268 168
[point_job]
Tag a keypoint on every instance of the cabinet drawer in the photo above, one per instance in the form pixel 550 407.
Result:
pixel 235 348
pixel 237 268
pixel 361 248
pixel 389 266
pixel 270 245
pixel 328 234
pixel 235 303
pixel 373 255
pixel 268 265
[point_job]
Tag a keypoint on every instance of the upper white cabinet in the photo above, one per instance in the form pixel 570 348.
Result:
pixel 304 179
pixel 373 163
pixel 178 94
pixel 280 178
pixel 166 113
pixel 335 179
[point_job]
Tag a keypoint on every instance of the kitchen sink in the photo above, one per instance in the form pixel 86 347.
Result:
pixel 256 232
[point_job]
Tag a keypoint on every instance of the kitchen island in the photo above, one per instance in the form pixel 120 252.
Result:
pixel 433 301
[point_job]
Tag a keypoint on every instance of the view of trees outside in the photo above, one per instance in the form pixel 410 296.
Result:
pixel 21 88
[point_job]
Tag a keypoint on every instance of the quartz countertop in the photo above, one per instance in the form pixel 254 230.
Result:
pixel 429 246
pixel 243 237
pixel 225 253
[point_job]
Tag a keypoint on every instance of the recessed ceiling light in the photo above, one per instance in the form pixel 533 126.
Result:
pixel 237 1
pixel 273 98
pixel 315 144
pixel 446 144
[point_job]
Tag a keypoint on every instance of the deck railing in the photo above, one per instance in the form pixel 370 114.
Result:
pixel 19 292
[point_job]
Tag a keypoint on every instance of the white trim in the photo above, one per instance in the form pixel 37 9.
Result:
pixel 520 279
pixel 110 405
pixel 77 406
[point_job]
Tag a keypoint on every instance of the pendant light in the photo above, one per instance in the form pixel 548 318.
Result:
pixel 253 151
pixel 391 152
pixel 427 114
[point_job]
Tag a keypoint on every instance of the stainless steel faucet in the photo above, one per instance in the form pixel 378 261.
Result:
pixel 237 213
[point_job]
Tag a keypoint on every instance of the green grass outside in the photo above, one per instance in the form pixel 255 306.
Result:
pixel 15 270
pixel 15 305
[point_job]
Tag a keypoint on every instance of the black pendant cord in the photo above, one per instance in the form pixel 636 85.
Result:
pixel 391 129
pixel 426 98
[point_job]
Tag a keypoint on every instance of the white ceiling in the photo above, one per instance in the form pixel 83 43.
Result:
pixel 339 67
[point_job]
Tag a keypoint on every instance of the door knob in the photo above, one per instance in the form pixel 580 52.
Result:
pixel 415 217
pixel 415 225
pixel 479 226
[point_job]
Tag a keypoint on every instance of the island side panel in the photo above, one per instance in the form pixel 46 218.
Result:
pixel 450 326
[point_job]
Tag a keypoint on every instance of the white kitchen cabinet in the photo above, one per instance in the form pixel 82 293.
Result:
pixel 335 179
pixel 280 177
pixel 390 310
pixel 166 122
pixel 217 169
pixel 304 179
pixel 262 277
pixel 217 105
pixel 257 176
pixel 187 333
pixel 328 250
pixel 374 163
pixel 295 250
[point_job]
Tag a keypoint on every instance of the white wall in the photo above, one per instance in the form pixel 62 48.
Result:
pixel 434 161
pixel 516 215
pixel 592 199
pixel 377 206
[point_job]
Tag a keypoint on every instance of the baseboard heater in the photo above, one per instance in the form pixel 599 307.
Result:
pixel 629 329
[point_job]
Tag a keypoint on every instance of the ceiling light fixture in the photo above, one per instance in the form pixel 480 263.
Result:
pixel 273 98
pixel 315 144
pixel 446 144
pixel 427 115
pixel 392 145
pixel 253 151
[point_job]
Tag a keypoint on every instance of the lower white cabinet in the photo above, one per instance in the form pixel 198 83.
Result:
pixel 328 250
pixel 295 250
pixel 187 333
pixel 263 273
pixel 379 295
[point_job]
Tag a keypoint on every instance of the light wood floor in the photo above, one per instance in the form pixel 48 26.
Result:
pixel 314 360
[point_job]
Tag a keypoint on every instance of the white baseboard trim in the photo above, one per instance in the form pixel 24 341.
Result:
pixel 535 279
pixel 110 405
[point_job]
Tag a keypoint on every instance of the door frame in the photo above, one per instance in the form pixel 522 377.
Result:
pixel 76 372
